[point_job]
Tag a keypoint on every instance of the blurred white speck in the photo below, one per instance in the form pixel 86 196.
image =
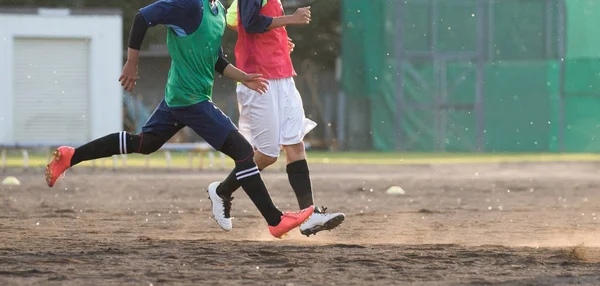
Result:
pixel 384 215
pixel 476 173
pixel 489 208
pixel 130 198
pixel 146 219
pixel 508 191
pixel 472 15
pixel 37 223
pixel 371 190
pixel 28 76
pixel 257 267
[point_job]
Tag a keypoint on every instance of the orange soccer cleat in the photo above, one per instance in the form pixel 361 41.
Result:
pixel 290 221
pixel 61 161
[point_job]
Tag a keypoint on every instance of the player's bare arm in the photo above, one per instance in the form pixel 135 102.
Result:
pixel 255 22
pixel 302 16
pixel 253 81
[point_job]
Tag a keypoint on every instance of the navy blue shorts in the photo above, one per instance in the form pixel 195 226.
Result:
pixel 205 118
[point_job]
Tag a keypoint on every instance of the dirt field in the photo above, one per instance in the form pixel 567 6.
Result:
pixel 513 224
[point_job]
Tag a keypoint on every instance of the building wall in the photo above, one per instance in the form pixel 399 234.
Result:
pixel 104 35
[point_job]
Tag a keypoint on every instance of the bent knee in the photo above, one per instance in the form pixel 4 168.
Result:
pixel 263 161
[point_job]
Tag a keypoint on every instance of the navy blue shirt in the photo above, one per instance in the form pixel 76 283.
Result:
pixel 182 16
pixel 253 21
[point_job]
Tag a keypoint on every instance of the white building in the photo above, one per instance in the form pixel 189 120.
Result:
pixel 59 73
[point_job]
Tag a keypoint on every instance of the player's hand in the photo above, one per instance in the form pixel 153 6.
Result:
pixel 291 45
pixel 256 82
pixel 129 76
pixel 302 16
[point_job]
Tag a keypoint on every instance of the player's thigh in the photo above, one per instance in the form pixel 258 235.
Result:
pixel 208 121
pixel 162 122
pixel 293 124
pixel 259 118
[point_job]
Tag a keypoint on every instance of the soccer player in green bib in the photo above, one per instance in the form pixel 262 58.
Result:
pixel 194 32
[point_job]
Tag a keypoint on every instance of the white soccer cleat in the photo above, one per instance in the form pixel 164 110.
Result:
pixel 220 207
pixel 320 220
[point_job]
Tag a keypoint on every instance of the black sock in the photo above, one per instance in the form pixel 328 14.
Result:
pixel 109 145
pixel 229 185
pixel 299 177
pixel 255 187
pixel 247 175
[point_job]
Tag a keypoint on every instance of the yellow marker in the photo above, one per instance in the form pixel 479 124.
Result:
pixel 11 181
pixel 395 190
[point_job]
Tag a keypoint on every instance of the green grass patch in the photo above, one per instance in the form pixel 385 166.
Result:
pixel 183 160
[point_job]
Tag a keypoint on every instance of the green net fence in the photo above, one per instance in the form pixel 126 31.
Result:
pixel 494 76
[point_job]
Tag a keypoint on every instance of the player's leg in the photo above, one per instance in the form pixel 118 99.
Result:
pixel 293 128
pixel 259 123
pixel 218 131
pixel 298 173
pixel 160 127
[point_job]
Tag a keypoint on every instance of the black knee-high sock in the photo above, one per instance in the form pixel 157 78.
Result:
pixel 247 175
pixel 299 177
pixel 109 145
pixel 254 186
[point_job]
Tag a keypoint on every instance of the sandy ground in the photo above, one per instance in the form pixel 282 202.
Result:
pixel 501 224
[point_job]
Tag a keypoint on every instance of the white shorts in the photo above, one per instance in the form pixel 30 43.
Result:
pixel 273 119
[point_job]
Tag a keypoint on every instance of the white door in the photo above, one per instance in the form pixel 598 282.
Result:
pixel 51 90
